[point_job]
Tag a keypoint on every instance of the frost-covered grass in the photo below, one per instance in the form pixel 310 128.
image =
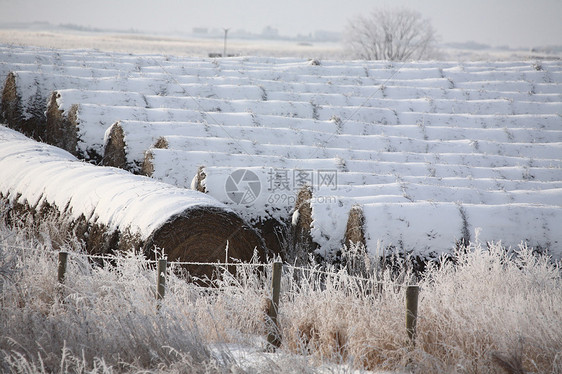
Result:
pixel 483 307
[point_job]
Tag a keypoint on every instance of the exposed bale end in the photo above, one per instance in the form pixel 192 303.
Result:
pixel 114 153
pixel 302 221
pixel 32 123
pixel 198 182
pixel 270 229
pixel 161 143
pixel 205 234
pixel 62 130
pixel 147 167
pixel 355 230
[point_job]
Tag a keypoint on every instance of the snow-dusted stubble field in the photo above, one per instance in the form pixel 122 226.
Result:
pixel 486 309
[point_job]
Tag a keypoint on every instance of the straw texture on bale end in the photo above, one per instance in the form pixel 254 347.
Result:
pixel 200 234
pixel 62 130
pixel 355 230
pixel 302 236
pixel 114 151
pixel 206 234
pixel 32 123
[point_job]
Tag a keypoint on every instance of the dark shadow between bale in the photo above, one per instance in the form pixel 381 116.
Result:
pixel 205 234
pixel 272 231
pixel 12 111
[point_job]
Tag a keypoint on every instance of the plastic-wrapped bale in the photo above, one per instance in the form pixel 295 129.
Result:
pixel 122 209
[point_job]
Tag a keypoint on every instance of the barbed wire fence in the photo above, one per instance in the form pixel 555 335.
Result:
pixel 275 271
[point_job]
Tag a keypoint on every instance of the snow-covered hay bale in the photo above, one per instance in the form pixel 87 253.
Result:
pixel 119 208
pixel 29 120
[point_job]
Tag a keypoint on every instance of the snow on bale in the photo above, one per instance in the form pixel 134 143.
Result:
pixel 113 209
pixel 76 132
pixel 428 229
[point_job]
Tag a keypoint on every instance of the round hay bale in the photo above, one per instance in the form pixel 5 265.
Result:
pixel 11 110
pixel 31 124
pixel 302 236
pixel 62 131
pixel 355 230
pixel 111 209
pixel 114 151
pixel 205 234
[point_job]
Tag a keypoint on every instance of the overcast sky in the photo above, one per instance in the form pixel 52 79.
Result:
pixel 517 23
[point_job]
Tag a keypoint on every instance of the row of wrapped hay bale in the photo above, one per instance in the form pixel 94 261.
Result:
pixel 109 208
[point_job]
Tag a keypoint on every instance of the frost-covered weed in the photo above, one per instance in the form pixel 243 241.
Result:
pixel 483 309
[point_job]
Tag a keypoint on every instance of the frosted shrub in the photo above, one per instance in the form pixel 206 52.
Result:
pixel 102 317
pixel 491 303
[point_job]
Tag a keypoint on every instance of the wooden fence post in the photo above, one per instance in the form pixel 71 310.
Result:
pixel 273 336
pixel 161 279
pixel 63 257
pixel 412 293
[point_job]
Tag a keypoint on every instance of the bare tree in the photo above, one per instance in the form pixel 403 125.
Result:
pixel 391 34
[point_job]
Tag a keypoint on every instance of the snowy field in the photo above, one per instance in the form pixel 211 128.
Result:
pixel 430 153
pixel 434 153
pixel 181 45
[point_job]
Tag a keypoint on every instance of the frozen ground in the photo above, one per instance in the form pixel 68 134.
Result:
pixel 198 47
